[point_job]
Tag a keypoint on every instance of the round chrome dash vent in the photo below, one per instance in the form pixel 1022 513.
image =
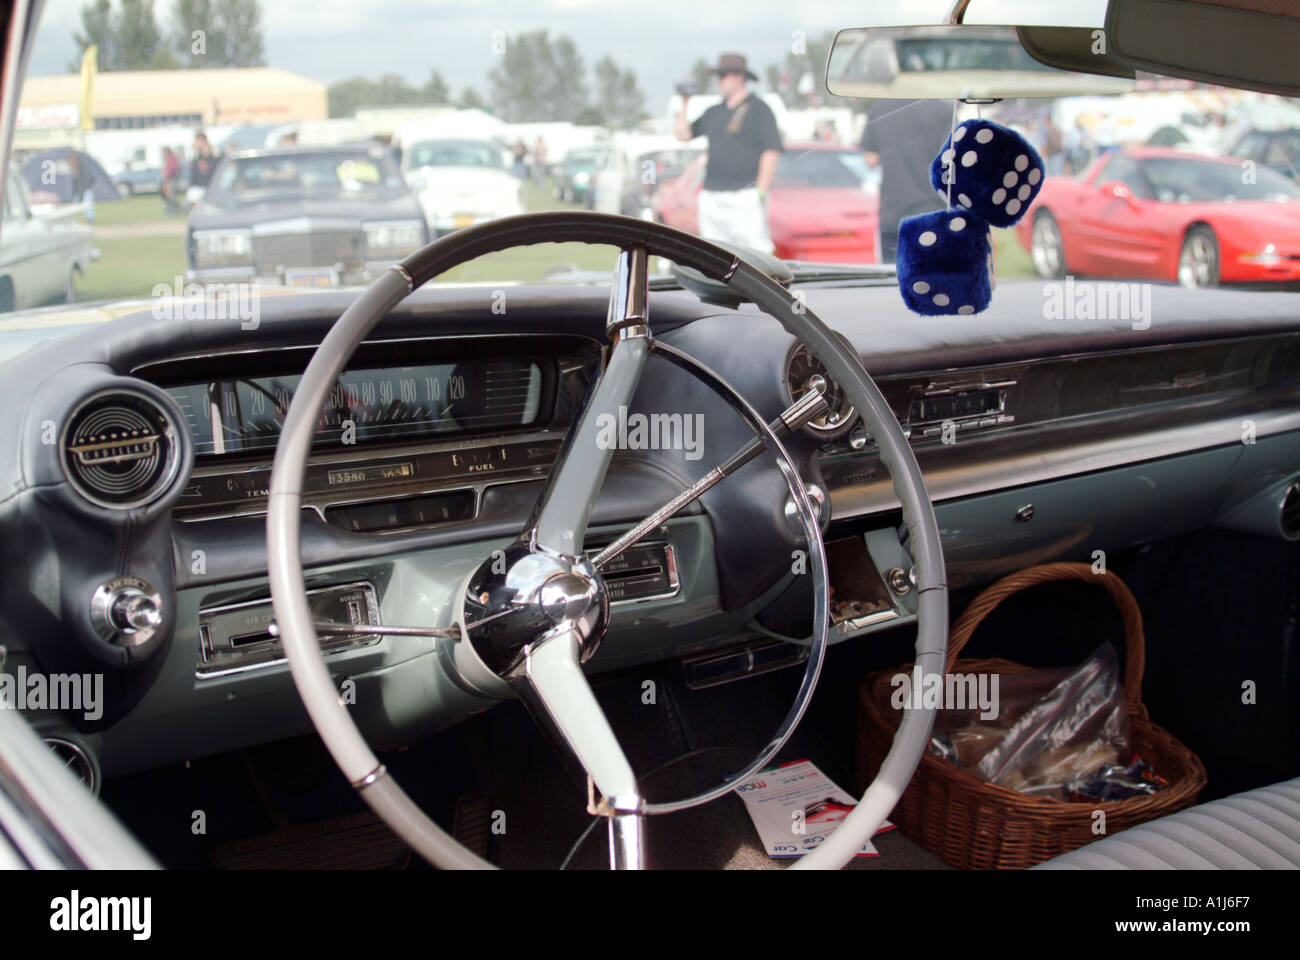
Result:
pixel 1290 519
pixel 120 449
pixel 76 760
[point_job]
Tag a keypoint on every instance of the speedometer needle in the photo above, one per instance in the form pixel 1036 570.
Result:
pixel 808 407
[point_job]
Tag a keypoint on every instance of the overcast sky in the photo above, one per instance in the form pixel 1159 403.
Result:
pixel 329 40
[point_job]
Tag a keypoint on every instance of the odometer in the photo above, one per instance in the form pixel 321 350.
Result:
pixel 399 403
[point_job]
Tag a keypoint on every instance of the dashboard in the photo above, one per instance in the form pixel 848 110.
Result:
pixel 432 450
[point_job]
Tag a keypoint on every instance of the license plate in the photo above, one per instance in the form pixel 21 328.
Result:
pixel 462 220
pixel 311 277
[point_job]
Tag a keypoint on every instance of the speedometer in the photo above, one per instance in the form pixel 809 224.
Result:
pixel 398 403
pixel 803 371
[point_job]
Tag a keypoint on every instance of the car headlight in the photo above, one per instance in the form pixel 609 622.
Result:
pixel 581 178
pixel 392 238
pixel 223 248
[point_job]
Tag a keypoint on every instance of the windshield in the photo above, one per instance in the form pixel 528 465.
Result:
pixel 288 155
pixel 454 153
pixel 586 159
pixel 335 173
pixel 822 168
pixel 1201 181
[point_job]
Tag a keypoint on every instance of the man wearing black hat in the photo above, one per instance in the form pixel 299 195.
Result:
pixel 744 148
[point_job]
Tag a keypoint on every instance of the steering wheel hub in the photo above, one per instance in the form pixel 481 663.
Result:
pixel 529 594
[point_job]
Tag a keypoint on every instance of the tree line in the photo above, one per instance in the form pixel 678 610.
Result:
pixel 536 78
pixel 201 33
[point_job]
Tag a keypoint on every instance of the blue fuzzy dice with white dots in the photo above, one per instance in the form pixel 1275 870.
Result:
pixel 945 263
pixel 995 173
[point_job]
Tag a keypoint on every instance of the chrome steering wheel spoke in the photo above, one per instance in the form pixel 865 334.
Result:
pixel 566 503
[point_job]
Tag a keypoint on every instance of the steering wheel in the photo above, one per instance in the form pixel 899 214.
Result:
pixel 533 613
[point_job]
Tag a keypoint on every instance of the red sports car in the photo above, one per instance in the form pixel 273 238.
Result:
pixel 1157 214
pixel 819 207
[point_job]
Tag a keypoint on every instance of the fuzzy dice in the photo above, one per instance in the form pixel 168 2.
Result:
pixel 945 263
pixel 995 173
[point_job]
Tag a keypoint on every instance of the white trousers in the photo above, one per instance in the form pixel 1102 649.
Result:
pixel 736 216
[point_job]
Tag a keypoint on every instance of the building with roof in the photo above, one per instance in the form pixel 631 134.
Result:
pixel 49 112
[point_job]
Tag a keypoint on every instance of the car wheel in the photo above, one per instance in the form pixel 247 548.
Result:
pixel 1198 261
pixel 1046 248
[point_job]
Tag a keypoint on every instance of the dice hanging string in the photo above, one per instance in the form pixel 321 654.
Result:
pixel 952 159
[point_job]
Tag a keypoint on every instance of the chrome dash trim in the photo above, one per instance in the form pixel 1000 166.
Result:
pixel 986 470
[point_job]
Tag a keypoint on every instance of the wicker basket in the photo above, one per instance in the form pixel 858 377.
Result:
pixel 977 825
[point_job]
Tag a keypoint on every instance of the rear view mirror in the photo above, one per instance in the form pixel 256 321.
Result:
pixel 966 63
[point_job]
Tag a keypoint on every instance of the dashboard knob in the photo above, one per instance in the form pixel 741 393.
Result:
pixel 126 610
pixel 133 609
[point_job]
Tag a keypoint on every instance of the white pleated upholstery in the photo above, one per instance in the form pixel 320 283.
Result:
pixel 1259 829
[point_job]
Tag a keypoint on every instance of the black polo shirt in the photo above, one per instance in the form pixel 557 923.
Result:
pixel 738 136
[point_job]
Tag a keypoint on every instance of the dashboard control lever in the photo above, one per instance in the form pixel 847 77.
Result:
pixel 808 407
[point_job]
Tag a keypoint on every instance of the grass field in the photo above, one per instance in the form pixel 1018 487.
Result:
pixel 131 265
pixel 142 209
pixel 1010 259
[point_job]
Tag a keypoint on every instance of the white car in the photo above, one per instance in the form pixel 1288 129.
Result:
pixel 460 182
pixel 41 254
